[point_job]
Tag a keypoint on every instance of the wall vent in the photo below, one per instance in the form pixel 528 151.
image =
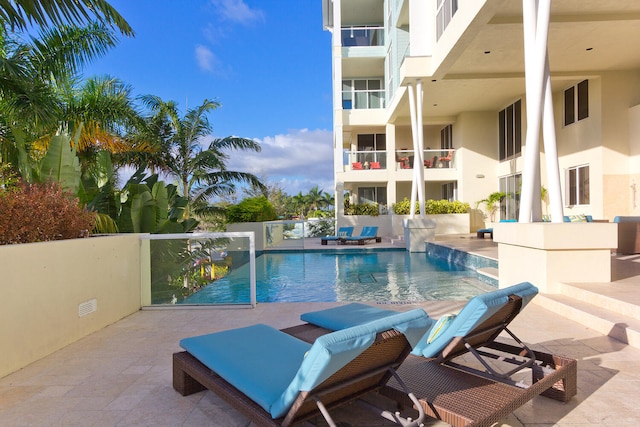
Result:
pixel 87 307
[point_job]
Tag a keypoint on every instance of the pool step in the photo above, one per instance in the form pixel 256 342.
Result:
pixel 488 275
pixel 609 316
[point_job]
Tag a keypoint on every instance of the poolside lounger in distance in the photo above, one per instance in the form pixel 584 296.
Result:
pixel 276 379
pixel 368 233
pixel 458 393
pixel 342 232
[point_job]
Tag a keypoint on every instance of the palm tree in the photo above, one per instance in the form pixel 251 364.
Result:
pixel 201 173
pixel 33 77
pixel 314 198
pixel 19 14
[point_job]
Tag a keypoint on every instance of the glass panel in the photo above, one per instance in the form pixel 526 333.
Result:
pixel 360 84
pixel 374 84
pixel 510 143
pixel 573 182
pixel 375 100
pixel 583 99
pixel 569 106
pixel 584 185
pixel 517 128
pixel 502 145
pixel 361 100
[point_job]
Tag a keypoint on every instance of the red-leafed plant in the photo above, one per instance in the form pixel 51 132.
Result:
pixel 41 212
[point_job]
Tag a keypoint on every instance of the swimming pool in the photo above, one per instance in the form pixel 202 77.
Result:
pixel 380 276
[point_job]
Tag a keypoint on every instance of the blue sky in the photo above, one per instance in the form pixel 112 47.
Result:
pixel 268 62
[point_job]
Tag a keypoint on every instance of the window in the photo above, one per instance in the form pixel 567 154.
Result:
pixel 576 103
pixel 577 186
pixel 372 195
pixel 446 137
pixel 372 148
pixel 450 191
pixel 511 185
pixel 362 93
pixel 510 131
pixel 446 10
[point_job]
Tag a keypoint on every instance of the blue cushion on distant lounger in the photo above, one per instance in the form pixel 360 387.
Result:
pixel 345 316
pixel 272 367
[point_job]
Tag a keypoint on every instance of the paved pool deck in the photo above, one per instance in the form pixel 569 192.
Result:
pixel 121 375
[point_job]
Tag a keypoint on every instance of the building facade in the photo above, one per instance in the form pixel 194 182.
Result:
pixel 466 60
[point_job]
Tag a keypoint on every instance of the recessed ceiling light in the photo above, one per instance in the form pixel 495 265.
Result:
pixel 435 105
pixel 486 52
pixel 434 80
pixel 589 48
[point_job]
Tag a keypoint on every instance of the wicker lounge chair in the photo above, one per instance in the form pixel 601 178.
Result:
pixel 276 379
pixel 342 232
pixel 368 233
pixel 464 393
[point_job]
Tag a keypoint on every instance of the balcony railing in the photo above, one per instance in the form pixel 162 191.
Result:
pixel 363 99
pixel 442 158
pixel 364 36
pixel 365 160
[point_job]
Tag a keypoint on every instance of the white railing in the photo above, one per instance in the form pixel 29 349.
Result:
pixel 365 160
pixel 362 36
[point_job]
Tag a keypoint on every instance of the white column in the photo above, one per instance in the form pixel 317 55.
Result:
pixel 551 152
pixel 535 15
pixel 412 113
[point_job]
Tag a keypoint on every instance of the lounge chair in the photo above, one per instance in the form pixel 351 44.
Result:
pixel 276 379
pixel 368 233
pixel 342 232
pixel 477 393
pixel 483 231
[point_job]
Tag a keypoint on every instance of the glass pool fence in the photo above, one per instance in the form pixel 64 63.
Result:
pixel 180 265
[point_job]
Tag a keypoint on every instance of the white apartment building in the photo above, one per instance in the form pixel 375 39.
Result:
pixel 467 57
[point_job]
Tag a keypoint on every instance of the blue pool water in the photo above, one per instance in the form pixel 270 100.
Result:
pixel 381 276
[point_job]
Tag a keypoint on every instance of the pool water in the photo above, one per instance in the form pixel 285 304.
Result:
pixel 380 276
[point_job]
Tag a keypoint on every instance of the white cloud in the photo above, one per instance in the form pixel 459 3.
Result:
pixel 205 58
pixel 237 11
pixel 298 160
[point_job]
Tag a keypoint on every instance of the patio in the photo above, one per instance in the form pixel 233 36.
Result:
pixel 121 375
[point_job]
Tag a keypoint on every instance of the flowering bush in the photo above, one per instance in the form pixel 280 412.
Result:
pixel 41 212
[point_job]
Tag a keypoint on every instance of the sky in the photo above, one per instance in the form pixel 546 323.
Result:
pixel 268 62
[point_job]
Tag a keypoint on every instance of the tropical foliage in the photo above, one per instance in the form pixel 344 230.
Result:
pixel 200 172
pixel 432 207
pixel 252 209
pixel 41 212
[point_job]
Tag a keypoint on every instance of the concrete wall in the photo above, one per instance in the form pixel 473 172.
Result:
pixel 44 285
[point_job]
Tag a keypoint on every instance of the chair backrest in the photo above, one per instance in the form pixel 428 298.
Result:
pixel 345 231
pixel 369 231
pixel 480 321
pixel 357 358
pixel 356 166
pixel 375 165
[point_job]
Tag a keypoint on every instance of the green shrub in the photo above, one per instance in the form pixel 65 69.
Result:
pixel 431 207
pixel 363 209
pixel 252 209
pixel 41 212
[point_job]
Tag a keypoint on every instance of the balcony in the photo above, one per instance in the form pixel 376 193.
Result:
pixel 365 160
pixel 433 159
pixel 362 36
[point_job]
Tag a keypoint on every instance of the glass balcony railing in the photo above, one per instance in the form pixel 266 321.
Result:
pixel 365 36
pixel 365 160
pixel 363 99
pixel 442 158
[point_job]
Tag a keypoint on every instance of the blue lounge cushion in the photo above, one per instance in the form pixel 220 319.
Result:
pixel 272 368
pixel 258 360
pixel 345 316
pixel 476 311
pixel 368 232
